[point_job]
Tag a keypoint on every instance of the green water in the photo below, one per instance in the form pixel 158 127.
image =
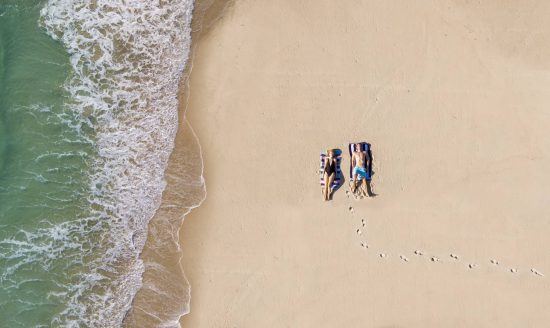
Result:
pixel 43 174
pixel 88 115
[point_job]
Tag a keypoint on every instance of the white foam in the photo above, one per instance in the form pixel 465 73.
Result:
pixel 126 58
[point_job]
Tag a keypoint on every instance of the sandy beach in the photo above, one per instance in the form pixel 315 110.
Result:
pixel 453 97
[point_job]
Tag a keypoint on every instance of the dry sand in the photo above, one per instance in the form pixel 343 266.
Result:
pixel 452 95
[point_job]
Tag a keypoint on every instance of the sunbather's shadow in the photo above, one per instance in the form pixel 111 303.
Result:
pixel 371 172
pixel 339 185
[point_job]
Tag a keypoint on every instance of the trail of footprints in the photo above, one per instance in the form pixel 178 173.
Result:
pixel 419 253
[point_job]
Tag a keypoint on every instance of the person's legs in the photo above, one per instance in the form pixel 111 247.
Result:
pixel 326 187
pixel 327 190
pixel 353 185
pixel 329 184
pixel 364 187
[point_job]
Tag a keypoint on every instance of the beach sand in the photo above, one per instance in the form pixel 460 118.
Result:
pixel 452 95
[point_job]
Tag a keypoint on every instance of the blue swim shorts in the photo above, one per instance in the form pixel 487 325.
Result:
pixel 361 173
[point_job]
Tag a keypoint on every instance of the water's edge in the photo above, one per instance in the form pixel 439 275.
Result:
pixel 165 294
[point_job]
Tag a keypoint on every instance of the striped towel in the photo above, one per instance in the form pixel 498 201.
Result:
pixel 366 148
pixel 338 177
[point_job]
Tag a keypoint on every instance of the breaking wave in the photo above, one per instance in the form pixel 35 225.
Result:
pixel 126 59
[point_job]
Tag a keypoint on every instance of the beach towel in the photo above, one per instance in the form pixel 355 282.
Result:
pixel 338 178
pixel 366 148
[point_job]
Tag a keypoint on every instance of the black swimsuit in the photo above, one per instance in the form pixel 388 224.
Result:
pixel 330 168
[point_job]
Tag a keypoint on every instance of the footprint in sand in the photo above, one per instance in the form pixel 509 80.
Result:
pixel 363 222
pixel 495 262
pixel 537 272
pixel 350 209
pixel 514 270
pixel 364 245
pixel 472 266
pixel 404 258
pixel 418 253
pixel 382 255
pixel 454 256
pixel 434 259
pixel 359 232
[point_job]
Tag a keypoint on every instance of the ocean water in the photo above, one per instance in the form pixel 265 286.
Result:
pixel 88 116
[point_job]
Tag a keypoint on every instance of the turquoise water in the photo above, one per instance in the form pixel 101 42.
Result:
pixel 88 116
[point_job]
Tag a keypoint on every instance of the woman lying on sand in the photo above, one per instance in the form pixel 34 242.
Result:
pixel 329 174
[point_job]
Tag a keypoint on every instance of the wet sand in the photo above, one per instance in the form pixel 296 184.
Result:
pixel 164 296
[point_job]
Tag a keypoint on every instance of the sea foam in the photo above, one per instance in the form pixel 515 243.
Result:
pixel 126 58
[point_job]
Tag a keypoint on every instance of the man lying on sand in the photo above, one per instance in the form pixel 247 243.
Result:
pixel 329 174
pixel 360 164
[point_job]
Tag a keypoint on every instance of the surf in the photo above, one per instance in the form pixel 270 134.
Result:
pixel 95 150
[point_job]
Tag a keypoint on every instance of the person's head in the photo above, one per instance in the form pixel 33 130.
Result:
pixel 357 147
pixel 331 153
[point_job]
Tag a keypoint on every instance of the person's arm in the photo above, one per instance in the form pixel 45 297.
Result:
pixel 353 160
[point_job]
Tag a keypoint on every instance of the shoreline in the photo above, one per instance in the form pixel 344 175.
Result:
pixel 165 292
